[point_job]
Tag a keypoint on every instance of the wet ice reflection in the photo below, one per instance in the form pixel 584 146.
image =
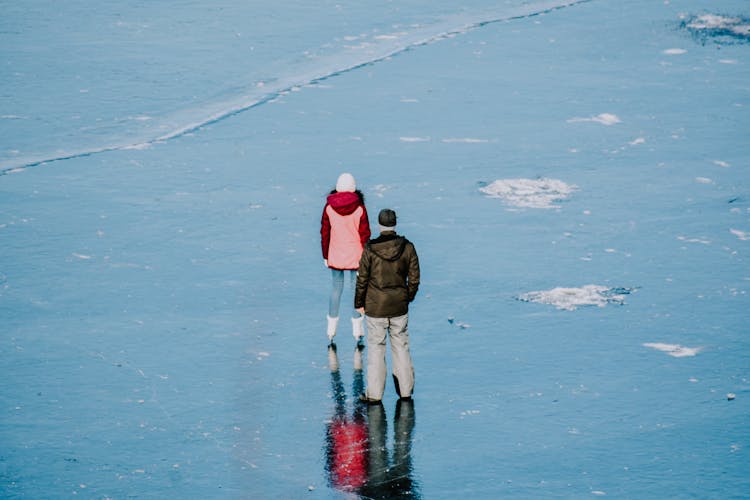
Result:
pixel 346 436
pixel 357 455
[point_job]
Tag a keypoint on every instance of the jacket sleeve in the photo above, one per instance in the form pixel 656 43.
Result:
pixel 363 279
pixel 325 232
pixel 413 276
pixel 364 227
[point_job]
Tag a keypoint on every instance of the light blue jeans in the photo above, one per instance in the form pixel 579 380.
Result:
pixel 334 303
pixel 401 365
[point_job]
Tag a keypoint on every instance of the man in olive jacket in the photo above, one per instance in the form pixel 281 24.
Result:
pixel 387 282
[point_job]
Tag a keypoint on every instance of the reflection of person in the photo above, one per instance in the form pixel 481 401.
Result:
pixel 346 437
pixel 344 229
pixel 390 478
pixel 387 282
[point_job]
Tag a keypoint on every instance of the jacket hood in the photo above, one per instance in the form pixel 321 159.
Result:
pixel 388 247
pixel 344 202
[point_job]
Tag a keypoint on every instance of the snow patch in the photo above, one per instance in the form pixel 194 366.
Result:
pixel 603 118
pixel 394 36
pixel 720 28
pixel 712 22
pixel 704 180
pixel 702 241
pixel 674 350
pixel 569 299
pixel 465 140
pixel 380 189
pixel 674 52
pixel 414 139
pixel 138 147
pixel 744 236
pixel 529 193
pixel 639 140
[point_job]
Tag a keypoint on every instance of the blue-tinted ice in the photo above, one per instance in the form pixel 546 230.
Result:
pixel 574 176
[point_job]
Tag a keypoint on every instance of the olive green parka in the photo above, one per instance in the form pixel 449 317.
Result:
pixel 388 276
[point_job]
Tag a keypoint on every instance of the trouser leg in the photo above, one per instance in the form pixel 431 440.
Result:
pixel 352 287
pixel 403 369
pixel 337 288
pixel 376 371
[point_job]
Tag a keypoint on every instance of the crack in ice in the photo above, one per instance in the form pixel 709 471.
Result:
pixel 216 111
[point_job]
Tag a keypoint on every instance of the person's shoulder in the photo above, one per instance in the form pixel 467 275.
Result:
pixel 409 247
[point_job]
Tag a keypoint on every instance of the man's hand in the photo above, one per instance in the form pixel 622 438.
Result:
pixel 361 310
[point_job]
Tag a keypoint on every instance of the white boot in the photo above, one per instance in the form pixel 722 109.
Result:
pixel 332 323
pixel 358 329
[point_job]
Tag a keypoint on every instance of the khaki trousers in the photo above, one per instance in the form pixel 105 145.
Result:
pixel 401 364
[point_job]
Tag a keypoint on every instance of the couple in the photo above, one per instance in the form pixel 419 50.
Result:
pixel 387 279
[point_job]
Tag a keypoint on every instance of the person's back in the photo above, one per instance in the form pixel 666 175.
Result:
pixel 393 275
pixel 344 229
pixel 387 281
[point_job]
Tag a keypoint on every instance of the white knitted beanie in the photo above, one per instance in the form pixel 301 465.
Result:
pixel 346 183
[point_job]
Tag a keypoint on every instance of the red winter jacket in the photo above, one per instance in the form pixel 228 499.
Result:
pixel 344 229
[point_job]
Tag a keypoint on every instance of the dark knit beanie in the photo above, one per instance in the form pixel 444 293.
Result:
pixel 387 218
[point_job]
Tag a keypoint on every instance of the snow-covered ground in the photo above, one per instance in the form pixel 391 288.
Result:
pixel 574 175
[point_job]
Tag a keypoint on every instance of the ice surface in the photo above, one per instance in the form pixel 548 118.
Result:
pixel 163 306
pixel 289 73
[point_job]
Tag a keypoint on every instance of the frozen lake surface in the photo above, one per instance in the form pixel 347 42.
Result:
pixel 574 175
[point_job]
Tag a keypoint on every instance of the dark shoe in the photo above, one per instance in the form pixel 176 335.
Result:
pixel 366 400
pixel 405 398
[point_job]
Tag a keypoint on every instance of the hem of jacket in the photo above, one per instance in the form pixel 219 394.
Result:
pixel 386 316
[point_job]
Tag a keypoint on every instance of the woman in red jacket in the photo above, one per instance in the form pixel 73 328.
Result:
pixel 344 230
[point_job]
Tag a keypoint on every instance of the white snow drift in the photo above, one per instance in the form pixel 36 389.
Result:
pixel 569 299
pixel 603 118
pixel 733 25
pixel 675 350
pixel 529 193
